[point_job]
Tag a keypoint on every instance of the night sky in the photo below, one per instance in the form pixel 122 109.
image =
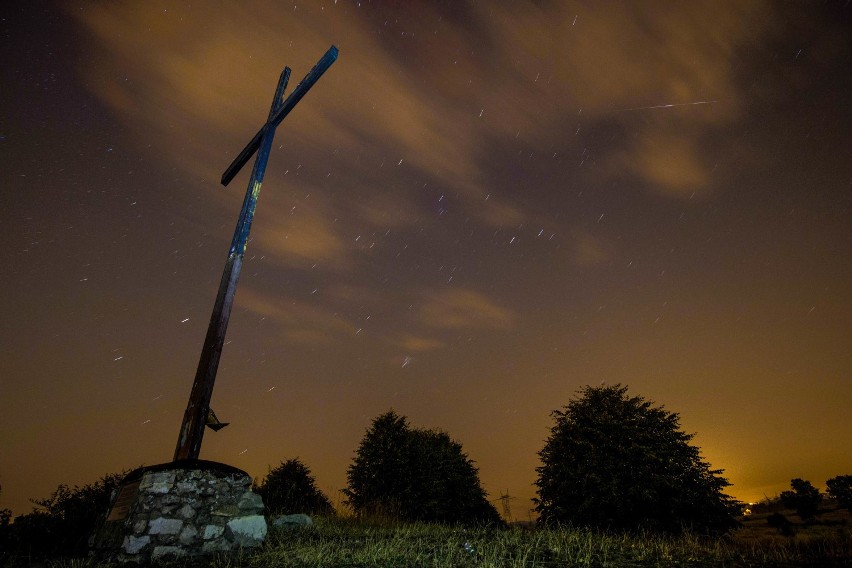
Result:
pixel 479 209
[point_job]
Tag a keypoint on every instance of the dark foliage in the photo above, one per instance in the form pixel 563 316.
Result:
pixel 781 523
pixel 767 505
pixel 5 518
pixel 616 462
pixel 840 489
pixel 61 524
pixel 290 488
pixel 415 475
pixel 804 499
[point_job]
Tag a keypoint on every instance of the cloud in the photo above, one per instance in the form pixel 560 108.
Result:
pixel 417 344
pixel 671 165
pixel 586 250
pixel 457 308
pixel 501 215
pixel 426 103
pixel 302 237
pixel 301 322
pixel 307 336
pixel 590 60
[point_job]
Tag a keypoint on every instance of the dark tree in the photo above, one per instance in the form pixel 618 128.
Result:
pixel 804 499
pixel 62 524
pixel 617 462
pixel 840 489
pixel 780 523
pixel 414 474
pixel 290 488
pixel 5 518
pixel 445 484
pixel 378 477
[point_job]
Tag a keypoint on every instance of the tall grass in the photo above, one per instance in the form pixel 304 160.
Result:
pixel 346 542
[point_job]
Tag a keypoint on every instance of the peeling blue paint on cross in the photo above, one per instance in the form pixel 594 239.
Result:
pixel 198 408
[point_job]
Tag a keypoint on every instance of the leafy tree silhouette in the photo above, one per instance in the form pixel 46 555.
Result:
pixel 840 488
pixel 61 524
pixel 617 462
pixel 781 524
pixel 5 518
pixel 378 477
pixel 290 488
pixel 415 475
pixel 804 498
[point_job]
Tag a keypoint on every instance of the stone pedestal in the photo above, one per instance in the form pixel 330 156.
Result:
pixel 179 509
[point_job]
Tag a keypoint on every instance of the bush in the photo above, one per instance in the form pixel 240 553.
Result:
pixel 804 499
pixel 616 462
pixel 62 524
pixel 290 488
pixel 415 475
pixel 840 489
pixel 5 518
pixel 781 524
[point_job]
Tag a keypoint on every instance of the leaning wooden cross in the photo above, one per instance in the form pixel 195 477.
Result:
pixel 198 411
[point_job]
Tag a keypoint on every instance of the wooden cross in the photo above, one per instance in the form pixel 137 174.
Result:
pixel 198 408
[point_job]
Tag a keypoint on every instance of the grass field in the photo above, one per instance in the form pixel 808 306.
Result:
pixel 339 542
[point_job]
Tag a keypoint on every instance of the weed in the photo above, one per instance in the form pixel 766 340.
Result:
pixel 349 542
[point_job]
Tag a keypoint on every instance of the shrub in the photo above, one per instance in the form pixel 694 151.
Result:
pixel 613 461
pixel 61 524
pixel 415 475
pixel 781 524
pixel 840 489
pixel 804 499
pixel 290 488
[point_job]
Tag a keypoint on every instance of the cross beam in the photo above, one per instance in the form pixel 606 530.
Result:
pixel 275 119
pixel 198 407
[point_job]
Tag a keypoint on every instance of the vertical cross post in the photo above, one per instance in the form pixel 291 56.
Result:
pixel 195 416
pixel 198 407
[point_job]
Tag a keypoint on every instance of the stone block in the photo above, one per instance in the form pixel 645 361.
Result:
pixel 212 546
pixel 246 531
pixel 213 531
pixel 291 521
pixel 161 525
pixel 251 502
pixel 140 526
pixel 133 545
pixel 160 552
pixel 161 482
pixel 186 512
pixel 226 511
pixel 188 535
pixel 242 482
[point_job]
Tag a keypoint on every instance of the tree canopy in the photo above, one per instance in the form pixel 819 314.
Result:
pixel 840 488
pixel 804 498
pixel 290 488
pixel 61 524
pixel 415 474
pixel 617 462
